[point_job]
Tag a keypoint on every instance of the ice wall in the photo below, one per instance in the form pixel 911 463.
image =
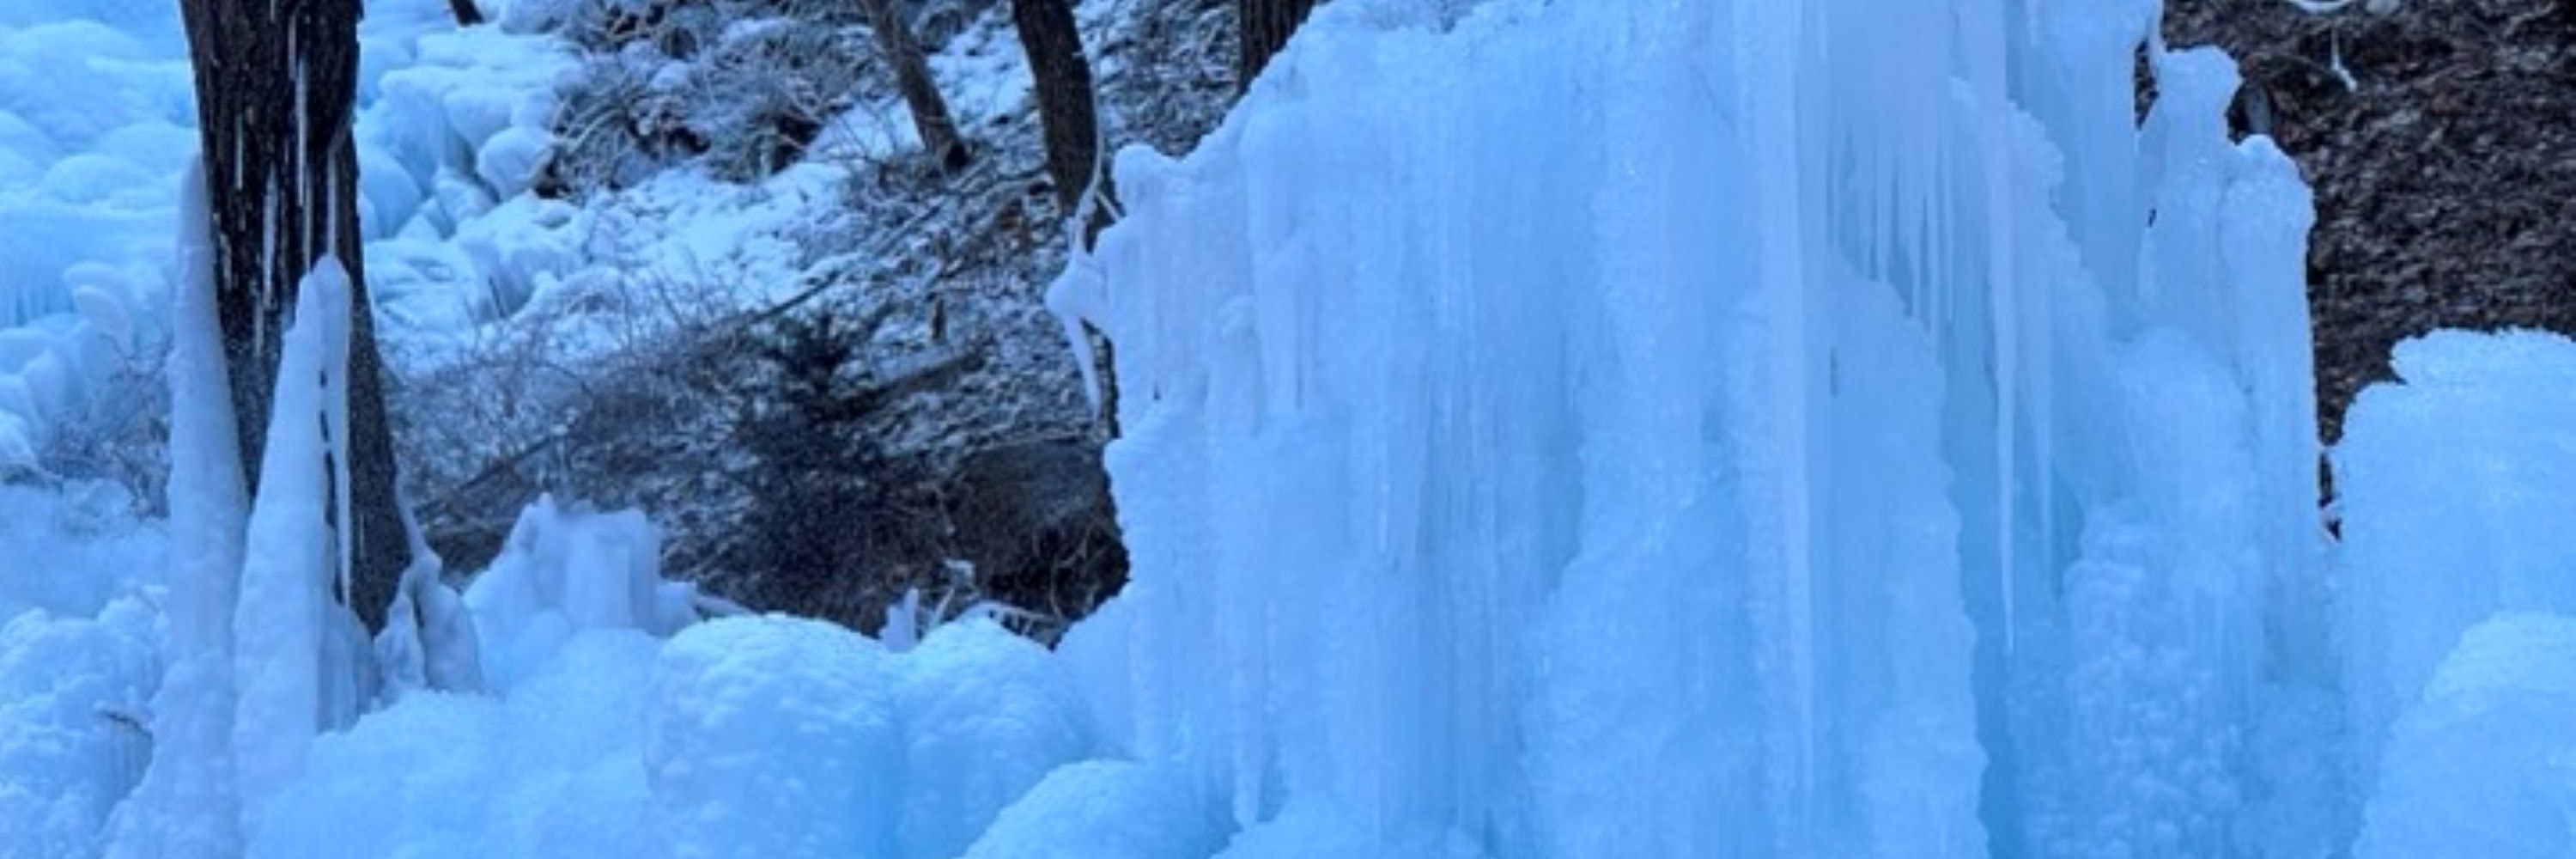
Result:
pixel 1716 429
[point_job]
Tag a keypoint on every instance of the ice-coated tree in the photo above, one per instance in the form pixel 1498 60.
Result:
pixel 920 92
pixel 1265 26
pixel 276 89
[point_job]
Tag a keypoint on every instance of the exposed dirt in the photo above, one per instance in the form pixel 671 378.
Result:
pixel 2445 171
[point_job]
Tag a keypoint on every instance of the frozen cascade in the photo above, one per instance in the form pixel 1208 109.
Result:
pixel 1715 429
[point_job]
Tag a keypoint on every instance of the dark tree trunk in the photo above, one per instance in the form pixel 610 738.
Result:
pixel 1067 109
pixel 276 86
pixel 466 14
pixel 920 93
pixel 1265 26
pixel 1065 98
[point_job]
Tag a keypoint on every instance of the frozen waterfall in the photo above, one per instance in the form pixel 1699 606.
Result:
pixel 1756 428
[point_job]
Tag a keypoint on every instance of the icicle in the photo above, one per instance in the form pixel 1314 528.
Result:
pixel 186 804
pixel 1984 31
pixel 1769 63
pixel 269 248
pixel 295 160
pixel 1075 297
pixel 289 687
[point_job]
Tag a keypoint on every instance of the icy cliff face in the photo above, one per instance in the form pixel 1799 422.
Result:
pixel 1717 429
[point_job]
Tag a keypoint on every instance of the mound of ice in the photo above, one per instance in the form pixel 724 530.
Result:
pixel 2452 488
pixel 987 714
pixel 773 737
pixel 95 112
pixel 549 771
pixel 452 131
pixel 1114 810
pixel 2485 764
pixel 87 118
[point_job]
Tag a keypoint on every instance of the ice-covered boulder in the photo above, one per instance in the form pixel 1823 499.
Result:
pixel 1112 810
pixel 986 714
pixel 773 738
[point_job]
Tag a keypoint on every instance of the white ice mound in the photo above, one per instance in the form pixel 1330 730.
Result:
pixel 987 715
pixel 2485 765
pixel 773 738
pixel 2454 492
pixel 1108 810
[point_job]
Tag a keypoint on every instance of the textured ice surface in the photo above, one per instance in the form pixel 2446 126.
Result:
pixel 563 571
pixel 986 714
pixel 1736 429
pixel 773 737
pixel 2452 494
pixel 2485 763
pixel 1107 810
pixel 73 735
pixel 550 770
pixel 1723 429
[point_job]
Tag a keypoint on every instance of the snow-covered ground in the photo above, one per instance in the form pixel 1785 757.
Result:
pixel 1554 430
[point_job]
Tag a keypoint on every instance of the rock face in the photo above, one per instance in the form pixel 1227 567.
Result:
pixel 2443 158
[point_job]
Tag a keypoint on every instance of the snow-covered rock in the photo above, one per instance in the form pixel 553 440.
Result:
pixel 773 738
pixel 1113 810
pixel 986 715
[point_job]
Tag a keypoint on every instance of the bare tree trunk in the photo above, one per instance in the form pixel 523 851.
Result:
pixel 1265 26
pixel 276 89
pixel 466 14
pixel 1065 98
pixel 1067 108
pixel 920 92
